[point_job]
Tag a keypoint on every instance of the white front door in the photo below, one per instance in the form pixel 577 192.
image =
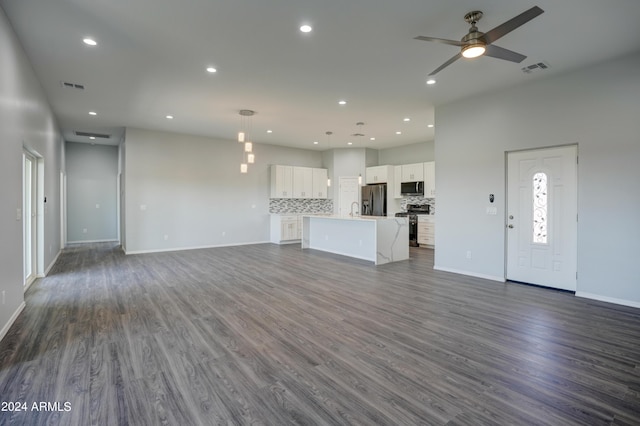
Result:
pixel 349 193
pixel 542 217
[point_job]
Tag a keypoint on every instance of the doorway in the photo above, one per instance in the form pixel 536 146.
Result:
pixel 29 215
pixel 542 217
pixel 349 193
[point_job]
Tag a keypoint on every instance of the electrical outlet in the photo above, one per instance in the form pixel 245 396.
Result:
pixel 84 230
pixel 18 213
pixel 469 256
pixel 224 233
pixel 3 296
pixel 97 206
pixel 166 237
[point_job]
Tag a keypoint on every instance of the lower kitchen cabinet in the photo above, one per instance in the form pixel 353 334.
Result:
pixel 426 230
pixel 285 228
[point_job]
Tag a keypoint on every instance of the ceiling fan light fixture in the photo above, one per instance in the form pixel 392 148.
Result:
pixel 473 50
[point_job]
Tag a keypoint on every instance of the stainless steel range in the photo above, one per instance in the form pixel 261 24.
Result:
pixel 413 210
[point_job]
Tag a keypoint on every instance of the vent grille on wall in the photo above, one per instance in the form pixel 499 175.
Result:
pixel 535 67
pixel 92 135
pixel 68 85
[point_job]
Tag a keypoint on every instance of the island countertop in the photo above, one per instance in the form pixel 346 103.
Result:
pixel 380 239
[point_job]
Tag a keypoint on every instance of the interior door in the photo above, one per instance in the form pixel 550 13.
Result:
pixel 349 193
pixel 542 217
pixel 29 214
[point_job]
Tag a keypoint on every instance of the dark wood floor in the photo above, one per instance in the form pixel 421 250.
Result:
pixel 273 335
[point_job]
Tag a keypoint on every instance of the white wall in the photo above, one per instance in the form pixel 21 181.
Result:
pixel 407 154
pixel 194 192
pixel 597 108
pixel 92 194
pixel 26 121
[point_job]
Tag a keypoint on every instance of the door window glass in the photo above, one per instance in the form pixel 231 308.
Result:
pixel 540 208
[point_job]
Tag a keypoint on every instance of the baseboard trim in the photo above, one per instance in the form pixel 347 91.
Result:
pixel 53 262
pixel 13 319
pixel 601 298
pixel 193 248
pixel 471 274
pixel 91 241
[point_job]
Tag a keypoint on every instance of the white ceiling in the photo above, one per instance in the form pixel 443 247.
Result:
pixel 151 57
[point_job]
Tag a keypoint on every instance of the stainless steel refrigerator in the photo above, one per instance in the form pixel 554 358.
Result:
pixel 374 200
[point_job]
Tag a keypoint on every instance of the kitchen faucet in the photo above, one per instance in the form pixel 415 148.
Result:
pixel 357 208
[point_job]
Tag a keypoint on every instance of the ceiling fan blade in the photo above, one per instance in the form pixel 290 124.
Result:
pixel 440 40
pixel 446 64
pixel 502 53
pixel 501 30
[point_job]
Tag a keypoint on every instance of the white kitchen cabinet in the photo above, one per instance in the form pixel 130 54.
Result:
pixel 298 182
pixel 320 183
pixel 302 182
pixel 430 179
pixel 285 228
pixel 413 172
pixel 281 181
pixel 378 174
pixel 426 230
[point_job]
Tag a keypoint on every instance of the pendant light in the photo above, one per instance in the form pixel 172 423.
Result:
pixel 248 157
pixel 328 133
pixel 359 134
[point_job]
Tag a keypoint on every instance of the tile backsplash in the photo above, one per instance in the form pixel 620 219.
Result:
pixel 300 205
pixel 419 201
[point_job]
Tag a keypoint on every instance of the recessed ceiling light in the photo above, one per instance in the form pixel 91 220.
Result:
pixel 92 137
pixel 342 102
pixel 398 133
pixel 372 139
pixel 170 117
pixel 306 28
pixel 429 125
pixel 269 131
pixel 89 41
pixel 431 81
pixel 211 70
pixel 406 119
pixel 349 143
pixel 93 113
pixel 315 142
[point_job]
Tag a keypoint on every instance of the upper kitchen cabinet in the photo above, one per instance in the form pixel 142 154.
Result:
pixel 302 182
pixel 430 179
pixel 320 183
pixel 413 172
pixel 298 182
pixel 281 181
pixel 378 174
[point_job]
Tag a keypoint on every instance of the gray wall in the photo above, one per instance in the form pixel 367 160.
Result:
pixel 25 120
pixel 193 191
pixel 92 173
pixel 597 108
pixel 408 154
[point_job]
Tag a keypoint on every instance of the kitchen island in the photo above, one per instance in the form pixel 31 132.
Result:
pixel 379 239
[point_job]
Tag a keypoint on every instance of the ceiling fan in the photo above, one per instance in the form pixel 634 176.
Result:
pixel 477 43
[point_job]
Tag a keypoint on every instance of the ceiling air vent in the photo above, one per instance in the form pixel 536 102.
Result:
pixel 535 67
pixel 68 85
pixel 92 135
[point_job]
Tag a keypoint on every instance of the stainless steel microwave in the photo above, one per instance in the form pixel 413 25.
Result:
pixel 412 188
